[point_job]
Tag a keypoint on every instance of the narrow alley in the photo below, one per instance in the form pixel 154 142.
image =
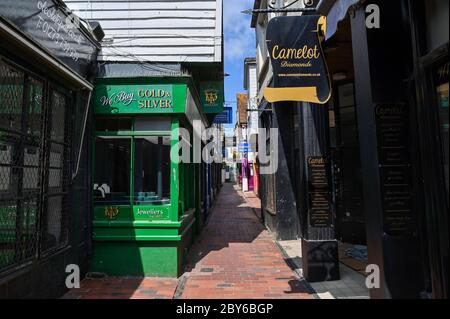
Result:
pixel 235 257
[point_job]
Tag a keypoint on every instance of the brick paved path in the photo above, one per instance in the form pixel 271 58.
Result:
pixel 125 288
pixel 233 258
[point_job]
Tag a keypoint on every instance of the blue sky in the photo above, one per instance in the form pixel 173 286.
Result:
pixel 239 43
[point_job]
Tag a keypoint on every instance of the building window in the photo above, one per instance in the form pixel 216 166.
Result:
pixel 57 172
pixel 112 170
pixel 132 170
pixel 34 166
pixel 152 170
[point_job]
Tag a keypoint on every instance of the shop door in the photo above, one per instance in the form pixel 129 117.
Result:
pixel 347 175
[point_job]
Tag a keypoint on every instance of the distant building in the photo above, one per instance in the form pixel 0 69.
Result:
pixel 251 85
pixel 241 140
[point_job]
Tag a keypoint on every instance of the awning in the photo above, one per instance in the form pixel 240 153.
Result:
pixel 335 11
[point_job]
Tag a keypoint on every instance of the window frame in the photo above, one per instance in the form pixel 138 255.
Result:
pixel 133 135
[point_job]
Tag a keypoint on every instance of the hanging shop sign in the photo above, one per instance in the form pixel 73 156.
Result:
pixel 226 117
pixel 298 62
pixel 212 97
pixel 134 99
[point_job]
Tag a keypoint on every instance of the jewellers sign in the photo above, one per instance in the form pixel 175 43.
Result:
pixel 133 99
pixel 299 66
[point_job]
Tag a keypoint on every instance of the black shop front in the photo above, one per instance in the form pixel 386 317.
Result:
pixel 368 168
pixel 46 69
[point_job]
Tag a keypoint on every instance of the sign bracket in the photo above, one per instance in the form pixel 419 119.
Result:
pixel 274 10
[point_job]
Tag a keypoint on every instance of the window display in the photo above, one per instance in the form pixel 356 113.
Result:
pixel 152 170
pixel 112 170
pixel 131 170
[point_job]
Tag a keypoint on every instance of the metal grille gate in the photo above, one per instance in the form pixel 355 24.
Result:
pixel 34 167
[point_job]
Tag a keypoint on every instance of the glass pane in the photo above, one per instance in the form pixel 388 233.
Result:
pixel 36 98
pixel 56 169
pixel 112 171
pixel 11 97
pixel 159 124
pixel 347 116
pixel 6 151
pixel 54 232
pixel 8 215
pixel 31 168
pixel 346 95
pixel 113 125
pixel 58 108
pixel 152 171
pixel 18 241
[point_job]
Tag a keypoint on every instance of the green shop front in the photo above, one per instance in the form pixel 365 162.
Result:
pixel 146 205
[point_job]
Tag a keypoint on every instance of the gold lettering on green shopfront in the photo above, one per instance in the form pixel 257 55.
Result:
pixel 155 104
pixel 145 98
pixel 150 213
pixel 111 213
pixel 164 99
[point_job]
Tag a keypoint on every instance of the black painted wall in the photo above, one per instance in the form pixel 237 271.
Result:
pixel 383 67
pixel 284 224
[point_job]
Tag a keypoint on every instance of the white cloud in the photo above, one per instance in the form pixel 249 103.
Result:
pixel 239 36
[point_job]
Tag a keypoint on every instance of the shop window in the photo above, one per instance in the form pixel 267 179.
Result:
pixel 152 170
pixel 57 172
pixel 18 206
pixel 56 168
pixel 5 166
pixel 347 173
pixel 112 170
pixel 12 83
pixel 54 230
pixel 34 172
pixel 35 102
pixel 132 170
pixel 58 111
pixel 31 169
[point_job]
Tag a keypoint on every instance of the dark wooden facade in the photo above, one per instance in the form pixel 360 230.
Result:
pixel 400 196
